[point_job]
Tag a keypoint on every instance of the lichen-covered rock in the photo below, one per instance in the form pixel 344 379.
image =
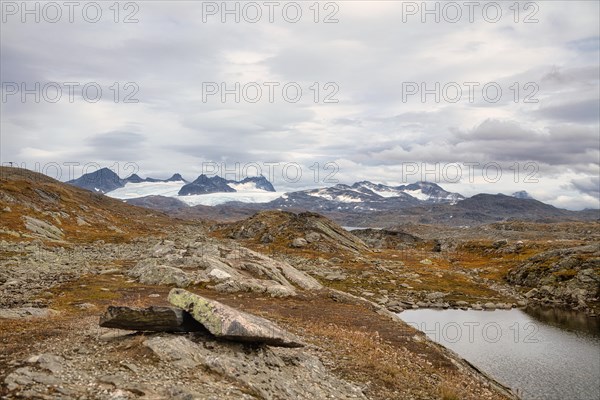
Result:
pixel 228 323
pixel 262 266
pixel 312 237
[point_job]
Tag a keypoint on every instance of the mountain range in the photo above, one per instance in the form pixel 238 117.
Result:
pixel 361 204
pixel 365 195
pixel 105 181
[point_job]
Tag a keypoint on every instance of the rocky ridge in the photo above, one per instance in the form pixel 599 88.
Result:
pixel 568 277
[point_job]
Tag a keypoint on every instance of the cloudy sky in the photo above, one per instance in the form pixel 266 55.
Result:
pixel 484 98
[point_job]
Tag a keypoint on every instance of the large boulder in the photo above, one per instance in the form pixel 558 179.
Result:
pixel 151 319
pixel 228 323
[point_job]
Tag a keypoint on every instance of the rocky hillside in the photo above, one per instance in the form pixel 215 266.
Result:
pixel 568 276
pixel 33 206
pixel 302 231
pixel 386 239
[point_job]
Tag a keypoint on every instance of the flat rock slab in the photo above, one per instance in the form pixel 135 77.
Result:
pixel 272 373
pixel 228 323
pixel 151 319
pixel 26 313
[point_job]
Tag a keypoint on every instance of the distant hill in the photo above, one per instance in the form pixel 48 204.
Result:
pixel 33 205
pixel 282 229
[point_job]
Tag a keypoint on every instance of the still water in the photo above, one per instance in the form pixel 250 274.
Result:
pixel 542 354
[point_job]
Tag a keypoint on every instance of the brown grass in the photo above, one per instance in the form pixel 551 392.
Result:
pixel 448 392
pixel 389 368
pixel 361 345
pixel 101 212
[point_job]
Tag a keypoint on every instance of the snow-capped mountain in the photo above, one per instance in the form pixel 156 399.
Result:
pixel 360 204
pixel 254 182
pixel 202 191
pixel 204 185
pixel 173 178
pixel 205 190
pixel 367 196
pixel 105 180
pixel 425 191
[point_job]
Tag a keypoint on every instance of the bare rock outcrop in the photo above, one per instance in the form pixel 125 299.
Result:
pixel 268 372
pixel 151 274
pixel 228 323
pixel 569 276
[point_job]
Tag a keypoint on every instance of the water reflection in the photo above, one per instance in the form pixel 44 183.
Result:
pixel 547 355
pixel 569 320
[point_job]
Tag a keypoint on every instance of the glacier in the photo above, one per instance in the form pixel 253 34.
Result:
pixel 246 193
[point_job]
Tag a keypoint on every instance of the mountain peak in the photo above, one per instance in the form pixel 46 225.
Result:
pixel 102 180
pixel 134 178
pixel 522 194
pixel 175 178
pixel 204 185
pixel 260 182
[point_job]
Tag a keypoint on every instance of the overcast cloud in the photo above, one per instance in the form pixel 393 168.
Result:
pixel 542 134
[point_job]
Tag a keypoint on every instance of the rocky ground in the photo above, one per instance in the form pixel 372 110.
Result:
pixel 54 348
pixel 437 267
pixel 66 257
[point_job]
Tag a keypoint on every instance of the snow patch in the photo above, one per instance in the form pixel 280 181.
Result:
pixel 143 189
pixel 418 194
pixel 247 193
pixel 245 187
pixel 321 194
pixel 213 199
pixel 342 198
pixel 347 199
pixel 386 193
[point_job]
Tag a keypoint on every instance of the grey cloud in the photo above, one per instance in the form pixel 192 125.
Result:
pixel 576 111
pixel 589 185
pixel 558 78
pixel 559 145
pixel 116 145
pixel 369 53
pixel 589 44
pixel 495 130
